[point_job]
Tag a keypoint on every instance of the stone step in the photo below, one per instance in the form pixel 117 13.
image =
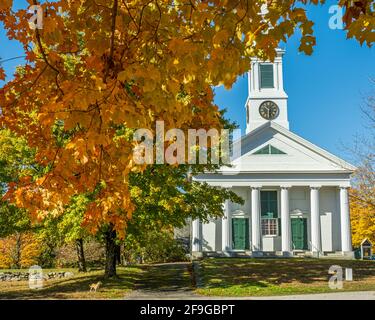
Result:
pixel 270 254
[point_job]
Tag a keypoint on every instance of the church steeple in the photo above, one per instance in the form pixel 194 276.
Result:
pixel 267 100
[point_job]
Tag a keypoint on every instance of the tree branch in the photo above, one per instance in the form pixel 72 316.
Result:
pixel 112 45
pixel 39 41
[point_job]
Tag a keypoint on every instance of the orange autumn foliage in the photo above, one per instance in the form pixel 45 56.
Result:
pixel 101 68
pixel 19 251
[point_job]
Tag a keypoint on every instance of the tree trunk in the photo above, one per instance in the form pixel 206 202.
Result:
pixel 118 254
pixel 17 258
pixel 80 256
pixel 110 254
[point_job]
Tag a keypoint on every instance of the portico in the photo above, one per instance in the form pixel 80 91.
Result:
pixel 275 234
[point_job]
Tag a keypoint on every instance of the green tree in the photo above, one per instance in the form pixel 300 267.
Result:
pixel 165 198
pixel 16 160
pixel 67 227
pixel 70 225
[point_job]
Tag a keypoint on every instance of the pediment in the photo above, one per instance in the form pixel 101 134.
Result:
pixel 272 148
pixel 366 243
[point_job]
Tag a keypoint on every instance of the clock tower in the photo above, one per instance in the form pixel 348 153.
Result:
pixel 267 100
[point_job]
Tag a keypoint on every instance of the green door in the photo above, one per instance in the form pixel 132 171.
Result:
pixel 240 233
pixel 299 233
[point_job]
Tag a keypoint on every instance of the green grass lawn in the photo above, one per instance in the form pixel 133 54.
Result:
pixel 219 277
pixel 76 287
pixel 266 277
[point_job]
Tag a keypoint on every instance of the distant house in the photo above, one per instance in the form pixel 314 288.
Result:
pixel 296 194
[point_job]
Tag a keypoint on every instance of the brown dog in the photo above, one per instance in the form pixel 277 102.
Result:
pixel 95 286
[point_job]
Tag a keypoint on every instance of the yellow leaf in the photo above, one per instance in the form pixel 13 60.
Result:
pixel 122 76
pixel 6 4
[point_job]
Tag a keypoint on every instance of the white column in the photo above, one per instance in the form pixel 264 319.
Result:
pixel 255 219
pixel 286 239
pixel 280 74
pixel 196 236
pixel 346 237
pixel 315 219
pixel 256 77
pixel 225 225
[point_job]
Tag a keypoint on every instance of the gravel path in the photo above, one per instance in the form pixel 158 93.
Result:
pixel 171 281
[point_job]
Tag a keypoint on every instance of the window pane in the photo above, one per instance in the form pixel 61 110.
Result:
pixel 276 151
pixel 269 150
pixel 267 214
pixel 269 227
pixel 266 76
pixel 273 209
pixel 268 204
pixel 264 227
pixel 272 195
pixel 264 150
pixel 264 196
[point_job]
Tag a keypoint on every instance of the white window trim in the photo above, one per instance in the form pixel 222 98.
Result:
pixel 277 228
pixel 278 213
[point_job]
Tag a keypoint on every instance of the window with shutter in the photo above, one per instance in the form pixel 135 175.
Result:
pixel 269 213
pixel 266 76
pixel 268 204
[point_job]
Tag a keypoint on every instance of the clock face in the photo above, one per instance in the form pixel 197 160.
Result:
pixel 269 110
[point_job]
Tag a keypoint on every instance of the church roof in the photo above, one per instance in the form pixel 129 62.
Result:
pixel 366 242
pixel 288 152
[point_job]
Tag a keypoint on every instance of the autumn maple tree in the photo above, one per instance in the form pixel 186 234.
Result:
pixel 100 69
pixel 19 250
pixel 362 196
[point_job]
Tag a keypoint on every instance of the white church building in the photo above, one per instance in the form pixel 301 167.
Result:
pixel 295 193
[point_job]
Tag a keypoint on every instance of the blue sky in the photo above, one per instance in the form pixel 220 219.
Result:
pixel 326 90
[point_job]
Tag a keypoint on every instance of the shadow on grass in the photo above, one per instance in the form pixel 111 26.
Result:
pixel 258 274
pixel 168 277
pixel 76 287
